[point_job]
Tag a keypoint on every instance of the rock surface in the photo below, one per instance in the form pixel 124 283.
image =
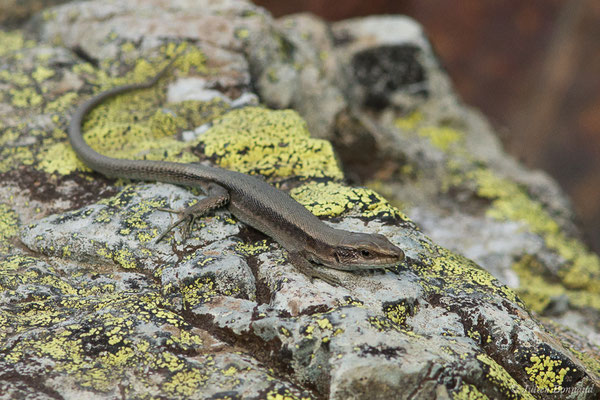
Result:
pixel 92 307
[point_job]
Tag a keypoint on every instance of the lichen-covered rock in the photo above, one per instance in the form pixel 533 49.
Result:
pixel 92 306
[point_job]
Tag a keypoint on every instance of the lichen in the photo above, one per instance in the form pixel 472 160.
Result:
pixel 461 275
pixel 42 73
pixel 580 272
pixel 129 125
pixel 540 291
pixel 546 373
pixel 394 317
pixel 284 394
pixel 13 41
pixel 334 199
pixel 8 222
pixel 252 249
pixel 441 137
pixel 469 392
pixel 11 157
pixel 200 290
pixel 255 140
pixel 60 158
pixel 498 376
pixel 510 202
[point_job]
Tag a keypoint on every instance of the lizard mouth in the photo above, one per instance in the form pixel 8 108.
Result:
pixel 359 265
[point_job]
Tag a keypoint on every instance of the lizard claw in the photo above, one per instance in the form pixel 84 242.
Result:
pixel 185 214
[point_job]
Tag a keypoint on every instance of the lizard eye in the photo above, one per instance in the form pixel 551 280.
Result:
pixel 365 253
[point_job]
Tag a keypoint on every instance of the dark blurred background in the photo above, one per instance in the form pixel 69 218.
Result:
pixel 532 67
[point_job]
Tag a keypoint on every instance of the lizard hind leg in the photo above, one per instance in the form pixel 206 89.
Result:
pixel 217 196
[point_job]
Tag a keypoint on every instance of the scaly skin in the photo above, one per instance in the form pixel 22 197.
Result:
pixel 251 200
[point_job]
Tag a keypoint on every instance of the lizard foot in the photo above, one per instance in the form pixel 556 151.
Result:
pixel 217 197
pixel 186 213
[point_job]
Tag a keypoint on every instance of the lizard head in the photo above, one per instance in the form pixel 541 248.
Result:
pixel 358 251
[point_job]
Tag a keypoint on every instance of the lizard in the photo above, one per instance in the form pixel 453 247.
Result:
pixel 306 238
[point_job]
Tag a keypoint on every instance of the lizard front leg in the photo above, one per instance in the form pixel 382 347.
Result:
pixel 217 196
pixel 308 269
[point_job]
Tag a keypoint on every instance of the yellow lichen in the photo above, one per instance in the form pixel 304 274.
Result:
pixel 441 137
pixel 252 249
pixel 13 41
pixel 409 122
pixel 545 373
pixel 60 158
pixel 461 274
pixel 271 143
pixel 469 392
pixel 8 222
pixel 25 98
pixel 506 383
pixel 185 383
pixel 333 199
pixel 41 73
pixel 511 202
pixel 13 157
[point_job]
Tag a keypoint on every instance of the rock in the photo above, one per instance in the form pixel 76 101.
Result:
pixel 92 306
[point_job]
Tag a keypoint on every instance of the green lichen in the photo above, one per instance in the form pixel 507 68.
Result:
pixel 103 347
pixel 334 199
pixel 409 122
pixel 590 358
pixel 252 249
pixel 284 395
pixel 441 137
pixel 271 143
pixel 62 103
pixel 125 259
pixel 201 290
pixel 17 79
pixel 25 98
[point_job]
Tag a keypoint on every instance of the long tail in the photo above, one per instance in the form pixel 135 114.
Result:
pixel 183 174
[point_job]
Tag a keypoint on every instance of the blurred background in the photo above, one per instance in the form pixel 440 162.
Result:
pixel 532 67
